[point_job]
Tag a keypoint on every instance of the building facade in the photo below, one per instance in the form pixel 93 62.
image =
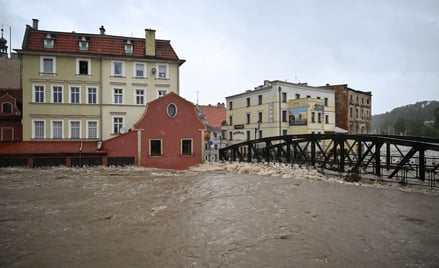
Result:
pixel 10 95
pixel 83 86
pixel 353 111
pixel 168 135
pixel 279 108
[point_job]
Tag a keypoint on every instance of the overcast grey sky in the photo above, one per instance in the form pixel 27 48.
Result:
pixel 390 48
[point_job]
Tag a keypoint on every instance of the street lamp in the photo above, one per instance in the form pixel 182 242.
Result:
pixel 280 111
pixel 257 129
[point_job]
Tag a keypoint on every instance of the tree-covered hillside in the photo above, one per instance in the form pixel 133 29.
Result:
pixel 419 119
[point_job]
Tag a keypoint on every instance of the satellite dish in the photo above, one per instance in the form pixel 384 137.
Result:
pixel 122 130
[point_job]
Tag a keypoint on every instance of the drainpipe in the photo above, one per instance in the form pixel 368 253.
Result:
pixel 100 97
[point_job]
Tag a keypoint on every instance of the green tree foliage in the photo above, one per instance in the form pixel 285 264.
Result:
pixel 412 120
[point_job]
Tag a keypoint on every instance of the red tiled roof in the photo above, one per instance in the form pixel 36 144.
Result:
pixel 98 44
pixel 215 115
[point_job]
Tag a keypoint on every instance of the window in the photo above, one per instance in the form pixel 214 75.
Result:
pixel 356 113
pixel 248 118
pixel 284 132
pixel 128 47
pixel 155 147
pixel 117 96
pixel 75 129
pixel 308 96
pixel 319 117
pixel 163 71
pixel 139 69
pixel 186 147
pixel 171 110
pixel 92 129
pixel 297 96
pixel 38 94
pixel 326 102
pixel 248 102
pixel 57 129
pixel 92 93
pixel 83 67
pixel 7 108
pixel 260 99
pixel 57 94
pixel 117 69
pixel 83 43
pixel 230 135
pixel 260 134
pixel 117 124
pixel 230 120
pixel 326 119
pixel 49 41
pixel 284 97
pixel 75 95
pixel 313 119
pixel 230 105
pixel 260 117
pixel 350 112
pixel 48 65
pixel 38 129
pixel 161 92
pixel 140 96
pixel 284 116
pixel 248 135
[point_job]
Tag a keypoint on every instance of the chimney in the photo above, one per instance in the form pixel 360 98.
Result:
pixel 102 30
pixel 35 24
pixel 149 42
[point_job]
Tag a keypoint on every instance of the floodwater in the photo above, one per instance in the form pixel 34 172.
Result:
pixel 214 215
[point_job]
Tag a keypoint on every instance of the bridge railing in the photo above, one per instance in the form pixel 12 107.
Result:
pixel 401 158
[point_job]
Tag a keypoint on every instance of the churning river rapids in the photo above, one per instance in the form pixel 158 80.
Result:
pixel 213 215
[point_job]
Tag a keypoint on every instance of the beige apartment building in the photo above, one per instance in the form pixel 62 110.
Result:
pixel 85 86
pixel 279 108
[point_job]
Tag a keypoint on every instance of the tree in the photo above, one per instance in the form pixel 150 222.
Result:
pixel 400 127
pixel 436 118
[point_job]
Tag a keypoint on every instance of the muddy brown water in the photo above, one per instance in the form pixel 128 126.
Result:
pixel 209 217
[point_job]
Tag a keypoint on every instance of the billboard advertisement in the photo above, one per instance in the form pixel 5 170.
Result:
pixel 297 116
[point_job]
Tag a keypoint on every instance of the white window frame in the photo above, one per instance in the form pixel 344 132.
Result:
pixel 52 95
pixel 136 95
pixel 34 129
pixel 88 129
pixel 34 99
pixel 113 69
pixel 42 71
pixel 52 129
pixel 70 129
pixel 135 70
pixel 70 95
pixel 158 74
pixel 160 91
pixel 121 95
pixel 113 124
pixel 192 146
pixel 161 147
pixel 78 66
pixel 88 95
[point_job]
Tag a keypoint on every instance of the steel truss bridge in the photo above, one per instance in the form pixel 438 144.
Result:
pixel 404 159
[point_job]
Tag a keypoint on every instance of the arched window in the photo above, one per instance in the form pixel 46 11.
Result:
pixel 7 108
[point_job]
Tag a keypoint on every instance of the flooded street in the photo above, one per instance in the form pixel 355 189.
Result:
pixel 215 215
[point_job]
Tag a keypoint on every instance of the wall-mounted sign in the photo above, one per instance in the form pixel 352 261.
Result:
pixel 241 126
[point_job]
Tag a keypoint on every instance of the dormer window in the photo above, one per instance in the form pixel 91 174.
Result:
pixel 83 43
pixel 128 47
pixel 49 41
